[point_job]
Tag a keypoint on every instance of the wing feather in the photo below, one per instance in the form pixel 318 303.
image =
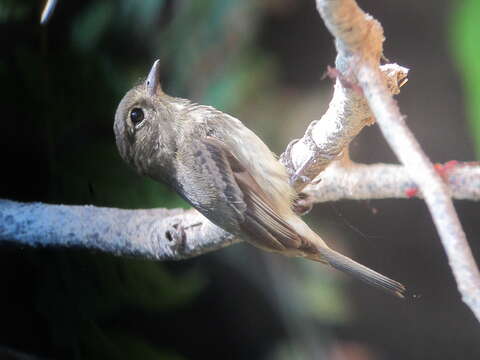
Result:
pixel 262 221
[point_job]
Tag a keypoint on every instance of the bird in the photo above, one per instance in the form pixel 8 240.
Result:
pixel 225 171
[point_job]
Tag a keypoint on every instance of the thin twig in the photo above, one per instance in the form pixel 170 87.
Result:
pixel 360 37
pixel 48 11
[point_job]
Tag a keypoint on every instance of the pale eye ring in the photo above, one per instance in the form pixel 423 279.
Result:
pixel 137 116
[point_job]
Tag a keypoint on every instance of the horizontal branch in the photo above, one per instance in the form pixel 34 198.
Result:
pixel 380 181
pixel 176 234
pixel 156 233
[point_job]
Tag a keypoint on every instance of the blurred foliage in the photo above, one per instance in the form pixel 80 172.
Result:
pixel 81 297
pixel 137 349
pixel 9 11
pixel 464 40
pixel 326 302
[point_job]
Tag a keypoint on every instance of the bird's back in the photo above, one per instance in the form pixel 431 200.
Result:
pixel 251 152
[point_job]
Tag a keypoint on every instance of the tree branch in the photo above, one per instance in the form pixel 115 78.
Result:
pixel 360 38
pixel 156 233
pixel 380 181
pixel 47 11
pixel 326 139
pixel 177 234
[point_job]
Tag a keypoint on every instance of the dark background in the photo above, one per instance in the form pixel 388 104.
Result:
pixel 261 61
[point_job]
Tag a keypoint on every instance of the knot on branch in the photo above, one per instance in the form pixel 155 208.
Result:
pixel 177 237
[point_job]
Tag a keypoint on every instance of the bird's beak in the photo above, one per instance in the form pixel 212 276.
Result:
pixel 153 80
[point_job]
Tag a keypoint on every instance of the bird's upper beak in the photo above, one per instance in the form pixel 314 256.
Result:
pixel 153 80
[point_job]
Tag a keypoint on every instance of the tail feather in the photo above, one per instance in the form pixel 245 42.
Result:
pixel 347 265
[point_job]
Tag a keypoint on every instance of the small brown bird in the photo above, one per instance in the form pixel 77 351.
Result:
pixel 223 170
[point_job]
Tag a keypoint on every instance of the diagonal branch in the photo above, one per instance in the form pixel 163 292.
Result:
pixel 326 139
pixel 360 38
pixel 47 11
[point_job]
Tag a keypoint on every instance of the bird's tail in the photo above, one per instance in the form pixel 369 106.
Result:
pixel 347 265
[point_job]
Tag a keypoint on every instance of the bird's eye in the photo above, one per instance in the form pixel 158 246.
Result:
pixel 137 116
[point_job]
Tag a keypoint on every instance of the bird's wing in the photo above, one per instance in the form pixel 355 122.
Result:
pixel 261 222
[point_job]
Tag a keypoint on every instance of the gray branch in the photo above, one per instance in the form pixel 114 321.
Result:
pixel 360 38
pixel 157 233
pixel 326 139
pixel 178 234
pixel 381 181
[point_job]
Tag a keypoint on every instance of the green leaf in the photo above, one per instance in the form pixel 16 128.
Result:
pixel 464 41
